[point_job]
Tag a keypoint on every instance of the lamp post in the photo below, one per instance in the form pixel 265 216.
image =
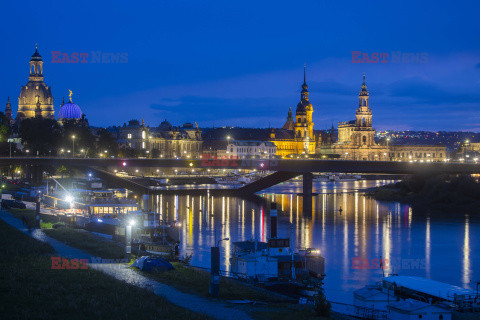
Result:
pixel 467 142
pixel 215 268
pixel 73 145
pixel 128 236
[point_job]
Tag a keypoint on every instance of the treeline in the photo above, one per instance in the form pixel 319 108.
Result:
pixel 47 137
pixel 442 192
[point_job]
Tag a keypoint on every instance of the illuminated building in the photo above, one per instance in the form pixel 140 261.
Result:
pixel 296 136
pixel 356 140
pixel 35 97
pixel 167 141
pixel 69 111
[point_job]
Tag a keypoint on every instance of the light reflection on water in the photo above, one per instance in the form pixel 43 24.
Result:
pixel 439 247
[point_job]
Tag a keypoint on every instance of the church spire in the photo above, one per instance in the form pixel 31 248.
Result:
pixel 8 110
pixel 304 93
pixel 305 74
pixel 364 91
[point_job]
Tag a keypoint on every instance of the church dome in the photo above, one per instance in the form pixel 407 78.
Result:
pixel 303 106
pixel 70 110
pixel 36 56
pixel 33 90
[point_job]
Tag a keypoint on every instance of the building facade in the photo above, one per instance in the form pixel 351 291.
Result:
pixel 165 140
pixel 250 149
pixel 35 97
pixel 296 136
pixel 356 140
pixel 418 153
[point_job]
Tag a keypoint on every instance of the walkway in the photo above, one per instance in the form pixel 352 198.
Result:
pixel 214 309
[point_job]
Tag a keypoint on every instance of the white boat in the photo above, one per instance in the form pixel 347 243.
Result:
pixel 276 260
pixel 384 294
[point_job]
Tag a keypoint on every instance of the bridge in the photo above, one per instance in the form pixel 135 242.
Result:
pixel 283 169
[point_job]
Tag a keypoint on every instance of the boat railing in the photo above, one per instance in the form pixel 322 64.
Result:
pixel 357 311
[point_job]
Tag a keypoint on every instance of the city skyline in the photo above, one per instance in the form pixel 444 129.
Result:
pixel 225 82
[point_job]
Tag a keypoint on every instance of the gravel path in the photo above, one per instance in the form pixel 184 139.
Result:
pixel 214 309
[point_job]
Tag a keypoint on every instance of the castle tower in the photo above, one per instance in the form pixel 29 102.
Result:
pixel 304 114
pixel 35 91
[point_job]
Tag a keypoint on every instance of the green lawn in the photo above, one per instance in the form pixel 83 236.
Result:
pixel 30 289
pixel 197 281
pixel 77 238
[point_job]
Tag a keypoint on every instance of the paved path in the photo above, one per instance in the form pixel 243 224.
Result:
pixel 214 309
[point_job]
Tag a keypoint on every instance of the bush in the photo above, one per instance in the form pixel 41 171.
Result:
pixel 322 306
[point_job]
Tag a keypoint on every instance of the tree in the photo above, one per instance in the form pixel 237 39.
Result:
pixel 106 142
pixel 5 130
pixel 84 138
pixel 40 135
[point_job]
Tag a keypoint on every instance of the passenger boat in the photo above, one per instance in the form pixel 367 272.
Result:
pixel 276 265
pixel 150 233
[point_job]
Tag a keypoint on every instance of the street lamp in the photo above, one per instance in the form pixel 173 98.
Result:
pixel 73 145
pixel 128 236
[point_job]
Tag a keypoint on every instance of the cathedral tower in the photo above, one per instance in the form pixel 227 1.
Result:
pixel 364 132
pixel 35 93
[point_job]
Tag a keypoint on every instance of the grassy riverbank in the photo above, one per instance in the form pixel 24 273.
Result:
pixel 30 289
pixel 440 193
pixel 77 238
pixel 185 278
pixel 193 280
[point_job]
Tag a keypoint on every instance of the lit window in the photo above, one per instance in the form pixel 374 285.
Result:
pixel 143 135
pixel 129 136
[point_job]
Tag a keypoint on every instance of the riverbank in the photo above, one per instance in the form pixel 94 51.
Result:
pixel 31 289
pixel 257 302
pixel 212 307
pixel 439 193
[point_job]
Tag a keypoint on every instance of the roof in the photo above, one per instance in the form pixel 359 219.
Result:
pixel 70 111
pixel 368 292
pixel 251 143
pixel 250 245
pixel 410 305
pixel 434 288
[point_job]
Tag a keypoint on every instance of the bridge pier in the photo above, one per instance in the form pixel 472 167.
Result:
pixel 307 205
pixel 307 184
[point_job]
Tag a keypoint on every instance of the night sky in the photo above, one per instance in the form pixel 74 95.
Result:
pixel 240 63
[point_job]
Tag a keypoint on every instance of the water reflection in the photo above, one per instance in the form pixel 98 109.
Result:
pixel 411 243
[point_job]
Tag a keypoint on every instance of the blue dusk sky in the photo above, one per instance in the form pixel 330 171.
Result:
pixel 240 63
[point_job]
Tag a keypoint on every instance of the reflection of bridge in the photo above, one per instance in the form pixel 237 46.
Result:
pixel 283 169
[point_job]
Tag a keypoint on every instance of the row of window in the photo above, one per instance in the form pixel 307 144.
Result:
pixel 417 155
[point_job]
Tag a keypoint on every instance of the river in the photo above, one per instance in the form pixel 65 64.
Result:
pixel 437 246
